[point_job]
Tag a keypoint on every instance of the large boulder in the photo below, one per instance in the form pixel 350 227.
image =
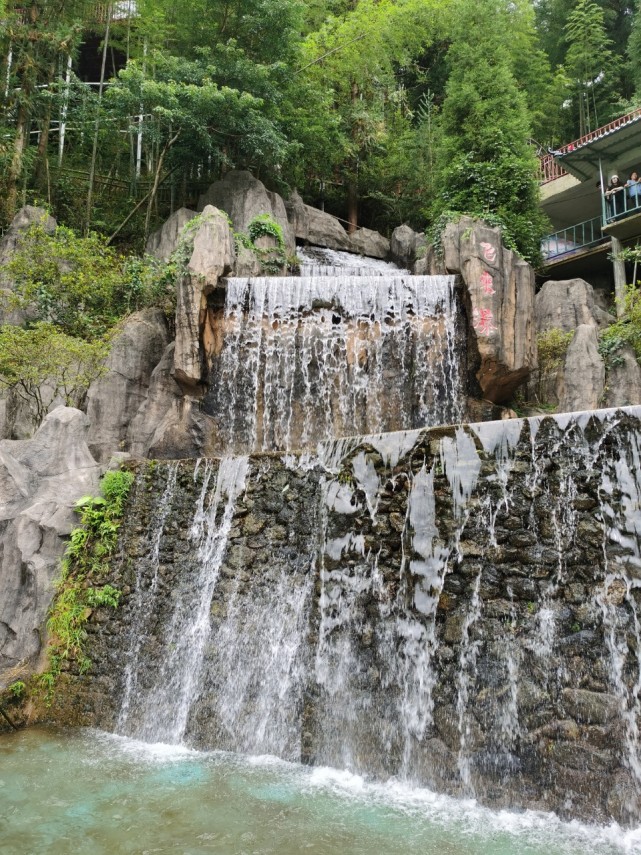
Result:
pixel 164 242
pixel 406 246
pixel 23 220
pixel 212 257
pixel 623 386
pixel 500 305
pixel 567 304
pixel 575 380
pixel 583 372
pixel 316 227
pixel 243 197
pixel 370 243
pixel 163 397
pixel 184 432
pixel 40 481
pixel 115 397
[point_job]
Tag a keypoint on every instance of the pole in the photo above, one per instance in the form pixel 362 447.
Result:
pixel 63 112
pixel 619 276
pixel 94 152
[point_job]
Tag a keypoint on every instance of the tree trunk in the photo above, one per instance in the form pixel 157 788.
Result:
pixel 15 168
pixel 352 205
pixel 94 152
pixel 154 189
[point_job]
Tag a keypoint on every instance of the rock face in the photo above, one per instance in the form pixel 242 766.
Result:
pixel 23 220
pixel 406 246
pixel 114 399
pixel 370 243
pixel 162 243
pixel 500 299
pixel 575 379
pixel 623 387
pixel 40 480
pixel 213 256
pixel 243 198
pixel 316 227
pixel 567 304
pixel 466 625
pixel 584 372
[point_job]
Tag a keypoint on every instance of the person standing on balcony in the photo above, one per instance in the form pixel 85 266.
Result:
pixel 634 190
pixel 615 197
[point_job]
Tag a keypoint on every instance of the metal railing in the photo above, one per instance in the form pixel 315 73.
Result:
pixel 622 203
pixel 550 169
pixel 566 241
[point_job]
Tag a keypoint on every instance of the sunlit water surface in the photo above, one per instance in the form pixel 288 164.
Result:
pixel 87 792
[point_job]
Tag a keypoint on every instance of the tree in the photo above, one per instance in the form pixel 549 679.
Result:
pixel 354 58
pixel 42 365
pixel 36 35
pixel 79 284
pixel 485 165
pixel 590 64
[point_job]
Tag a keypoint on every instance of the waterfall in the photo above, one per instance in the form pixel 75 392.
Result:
pixel 365 587
pixel 459 608
pixel 315 357
pixel 160 712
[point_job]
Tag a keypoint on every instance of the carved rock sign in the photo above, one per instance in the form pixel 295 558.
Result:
pixel 500 303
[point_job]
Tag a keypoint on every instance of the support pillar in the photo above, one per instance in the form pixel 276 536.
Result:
pixel 619 275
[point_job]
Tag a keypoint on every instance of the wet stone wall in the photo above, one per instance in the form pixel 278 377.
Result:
pixel 458 607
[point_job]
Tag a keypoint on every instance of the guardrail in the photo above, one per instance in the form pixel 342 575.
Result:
pixel 566 241
pixel 622 203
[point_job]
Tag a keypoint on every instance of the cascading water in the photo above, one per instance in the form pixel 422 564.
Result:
pixel 336 351
pixel 458 608
pixel 160 712
pixel 376 606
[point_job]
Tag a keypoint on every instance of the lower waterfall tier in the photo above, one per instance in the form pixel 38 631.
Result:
pixel 457 607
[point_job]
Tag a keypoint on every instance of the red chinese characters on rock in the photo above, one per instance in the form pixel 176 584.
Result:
pixel 489 252
pixel 487 283
pixel 483 321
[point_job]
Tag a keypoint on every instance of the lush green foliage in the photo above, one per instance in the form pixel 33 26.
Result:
pixel 626 330
pixel 552 346
pixel 485 165
pixel 80 284
pixel 384 110
pixel 18 688
pixel 81 587
pixel 43 364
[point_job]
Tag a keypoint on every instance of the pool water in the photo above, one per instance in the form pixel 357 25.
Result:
pixel 91 793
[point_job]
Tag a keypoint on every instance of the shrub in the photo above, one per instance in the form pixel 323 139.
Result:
pixel 80 284
pixel 86 562
pixel 552 346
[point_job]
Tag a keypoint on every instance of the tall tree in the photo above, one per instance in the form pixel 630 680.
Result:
pixel 590 64
pixel 486 166
pixel 354 59
pixel 36 35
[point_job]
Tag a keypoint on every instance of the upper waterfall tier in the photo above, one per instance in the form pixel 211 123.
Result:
pixel 317 261
pixel 309 358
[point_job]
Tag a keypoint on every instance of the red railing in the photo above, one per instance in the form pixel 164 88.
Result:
pixel 550 169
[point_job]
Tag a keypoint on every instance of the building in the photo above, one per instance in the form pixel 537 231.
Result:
pixel 590 225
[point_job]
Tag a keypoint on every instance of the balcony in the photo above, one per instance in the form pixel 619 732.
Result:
pixel 622 214
pixel 573 241
pixel 550 169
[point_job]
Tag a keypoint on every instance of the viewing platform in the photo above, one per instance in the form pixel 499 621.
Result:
pixel 590 224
